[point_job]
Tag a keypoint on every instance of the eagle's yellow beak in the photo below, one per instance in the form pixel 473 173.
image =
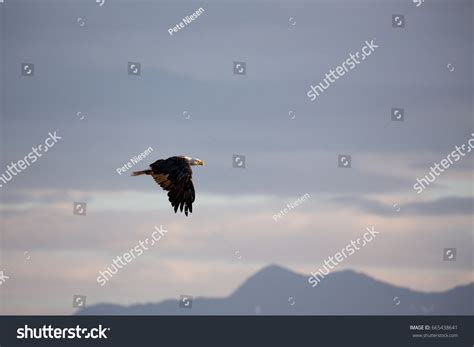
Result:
pixel 200 162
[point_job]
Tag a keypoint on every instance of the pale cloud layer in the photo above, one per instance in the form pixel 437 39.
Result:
pixel 211 257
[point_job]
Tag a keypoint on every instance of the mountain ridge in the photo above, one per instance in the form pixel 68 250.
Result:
pixel 275 290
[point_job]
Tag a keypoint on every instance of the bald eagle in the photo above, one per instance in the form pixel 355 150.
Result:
pixel 175 176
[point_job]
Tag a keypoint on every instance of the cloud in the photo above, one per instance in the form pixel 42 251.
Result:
pixel 440 207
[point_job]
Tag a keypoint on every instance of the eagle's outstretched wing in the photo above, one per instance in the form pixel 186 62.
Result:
pixel 175 176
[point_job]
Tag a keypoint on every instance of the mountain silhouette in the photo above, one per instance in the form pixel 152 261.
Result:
pixel 277 291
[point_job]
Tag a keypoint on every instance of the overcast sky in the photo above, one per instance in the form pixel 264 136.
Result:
pixel 80 52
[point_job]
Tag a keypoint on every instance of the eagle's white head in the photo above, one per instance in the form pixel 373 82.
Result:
pixel 193 161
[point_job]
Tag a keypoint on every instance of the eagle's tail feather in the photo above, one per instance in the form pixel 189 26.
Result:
pixel 144 172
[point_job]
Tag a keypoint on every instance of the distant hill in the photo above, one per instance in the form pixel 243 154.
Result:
pixel 278 291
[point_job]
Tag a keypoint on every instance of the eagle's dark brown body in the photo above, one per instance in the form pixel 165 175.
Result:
pixel 175 176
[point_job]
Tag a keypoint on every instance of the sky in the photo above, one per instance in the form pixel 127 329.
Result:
pixel 188 101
